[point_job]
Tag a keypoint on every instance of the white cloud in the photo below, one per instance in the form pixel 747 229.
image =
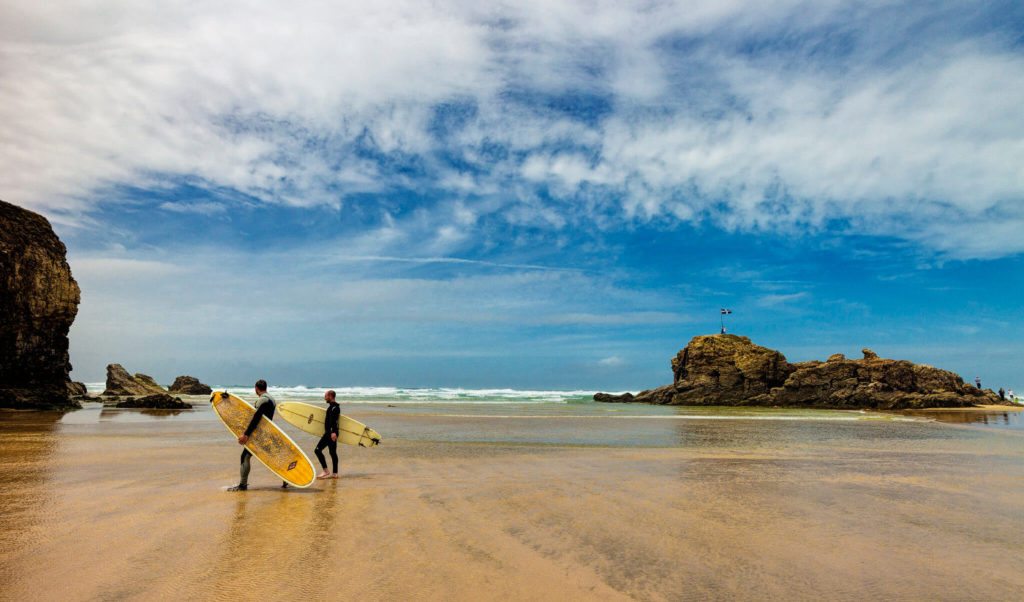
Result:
pixel 271 101
pixel 777 300
pixel 613 361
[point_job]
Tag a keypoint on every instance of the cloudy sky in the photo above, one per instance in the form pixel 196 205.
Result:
pixel 523 194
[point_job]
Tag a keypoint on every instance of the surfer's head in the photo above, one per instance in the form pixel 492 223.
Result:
pixel 261 386
pixel 329 395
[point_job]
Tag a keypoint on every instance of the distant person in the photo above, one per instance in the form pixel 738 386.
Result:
pixel 977 381
pixel 1010 395
pixel 1002 394
pixel 330 437
pixel 264 407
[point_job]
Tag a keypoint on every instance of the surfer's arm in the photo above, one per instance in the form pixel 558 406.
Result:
pixel 264 409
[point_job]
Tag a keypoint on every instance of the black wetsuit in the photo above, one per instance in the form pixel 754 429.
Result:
pixel 330 426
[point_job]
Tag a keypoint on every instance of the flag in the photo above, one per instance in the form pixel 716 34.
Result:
pixel 726 311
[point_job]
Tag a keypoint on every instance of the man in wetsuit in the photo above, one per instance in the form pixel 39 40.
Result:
pixel 264 407
pixel 330 438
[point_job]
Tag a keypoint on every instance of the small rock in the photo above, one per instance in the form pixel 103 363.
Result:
pixel 188 385
pixel 158 401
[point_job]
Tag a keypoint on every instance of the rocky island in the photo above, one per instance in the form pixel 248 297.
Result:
pixel 139 391
pixel 38 302
pixel 731 370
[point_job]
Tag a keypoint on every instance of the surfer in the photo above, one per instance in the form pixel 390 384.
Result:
pixel 264 407
pixel 330 437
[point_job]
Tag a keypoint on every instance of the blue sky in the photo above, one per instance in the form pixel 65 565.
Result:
pixel 529 194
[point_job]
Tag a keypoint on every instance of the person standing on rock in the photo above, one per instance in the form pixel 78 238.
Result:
pixel 977 381
pixel 330 437
pixel 1002 394
pixel 265 406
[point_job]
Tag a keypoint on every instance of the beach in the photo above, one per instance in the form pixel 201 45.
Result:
pixel 540 501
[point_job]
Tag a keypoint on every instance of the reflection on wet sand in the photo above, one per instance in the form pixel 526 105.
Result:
pixel 27 445
pixel 110 414
pixel 738 509
pixel 1012 419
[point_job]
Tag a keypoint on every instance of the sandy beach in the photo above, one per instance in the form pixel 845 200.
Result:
pixel 126 505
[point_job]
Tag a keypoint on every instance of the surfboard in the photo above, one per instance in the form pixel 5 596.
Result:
pixel 268 442
pixel 311 419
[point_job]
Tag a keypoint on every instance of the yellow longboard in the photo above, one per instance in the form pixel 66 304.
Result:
pixel 268 443
pixel 311 419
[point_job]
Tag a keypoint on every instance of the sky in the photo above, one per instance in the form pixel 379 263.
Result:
pixel 525 194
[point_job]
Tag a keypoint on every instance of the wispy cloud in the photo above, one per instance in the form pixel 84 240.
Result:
pixel 776 300
pixel 455 260
pixel 788 116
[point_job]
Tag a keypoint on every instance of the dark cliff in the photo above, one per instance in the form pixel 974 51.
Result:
pixel 731 370
pixel 38 303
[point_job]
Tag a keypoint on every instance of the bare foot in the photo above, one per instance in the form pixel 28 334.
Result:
pixel 334 475
pixel 323 475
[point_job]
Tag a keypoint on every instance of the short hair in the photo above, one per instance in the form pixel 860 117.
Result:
pixel 331 393
pixel 261 385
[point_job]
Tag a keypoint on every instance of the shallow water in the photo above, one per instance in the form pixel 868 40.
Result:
pixel 541 500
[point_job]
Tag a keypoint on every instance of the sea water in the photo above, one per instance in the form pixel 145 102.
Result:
pixel 556 417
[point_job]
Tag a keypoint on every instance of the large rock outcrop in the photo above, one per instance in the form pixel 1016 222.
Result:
pixel 725 370
pixel 873 382
pixel 188 385
pixel 731 370
pixel 120 383
pixel 38 302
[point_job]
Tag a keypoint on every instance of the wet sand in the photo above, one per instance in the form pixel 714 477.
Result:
pixel 734 509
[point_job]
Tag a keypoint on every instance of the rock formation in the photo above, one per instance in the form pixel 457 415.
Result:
pixel 148 381
pixel 38 302
pixel 157 401
pixel 730 370
pixel 725 370
pixel 188 385
pixel 120 383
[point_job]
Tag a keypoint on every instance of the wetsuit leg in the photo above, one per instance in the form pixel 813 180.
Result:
pixel 244 470
pixel 332 446
pixel 322 443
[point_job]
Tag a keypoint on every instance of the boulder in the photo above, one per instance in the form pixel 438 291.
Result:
pixel 725 369
pixel 120 383
pixel 156 401
pixel 76 389
pixel 731 370
pixel 38 302
pixel 148 381
pixel 188 385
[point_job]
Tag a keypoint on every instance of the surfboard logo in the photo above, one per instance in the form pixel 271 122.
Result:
pixel 310 419
pixel 292 465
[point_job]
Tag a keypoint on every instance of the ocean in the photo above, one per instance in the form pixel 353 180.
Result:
pixel 558 417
